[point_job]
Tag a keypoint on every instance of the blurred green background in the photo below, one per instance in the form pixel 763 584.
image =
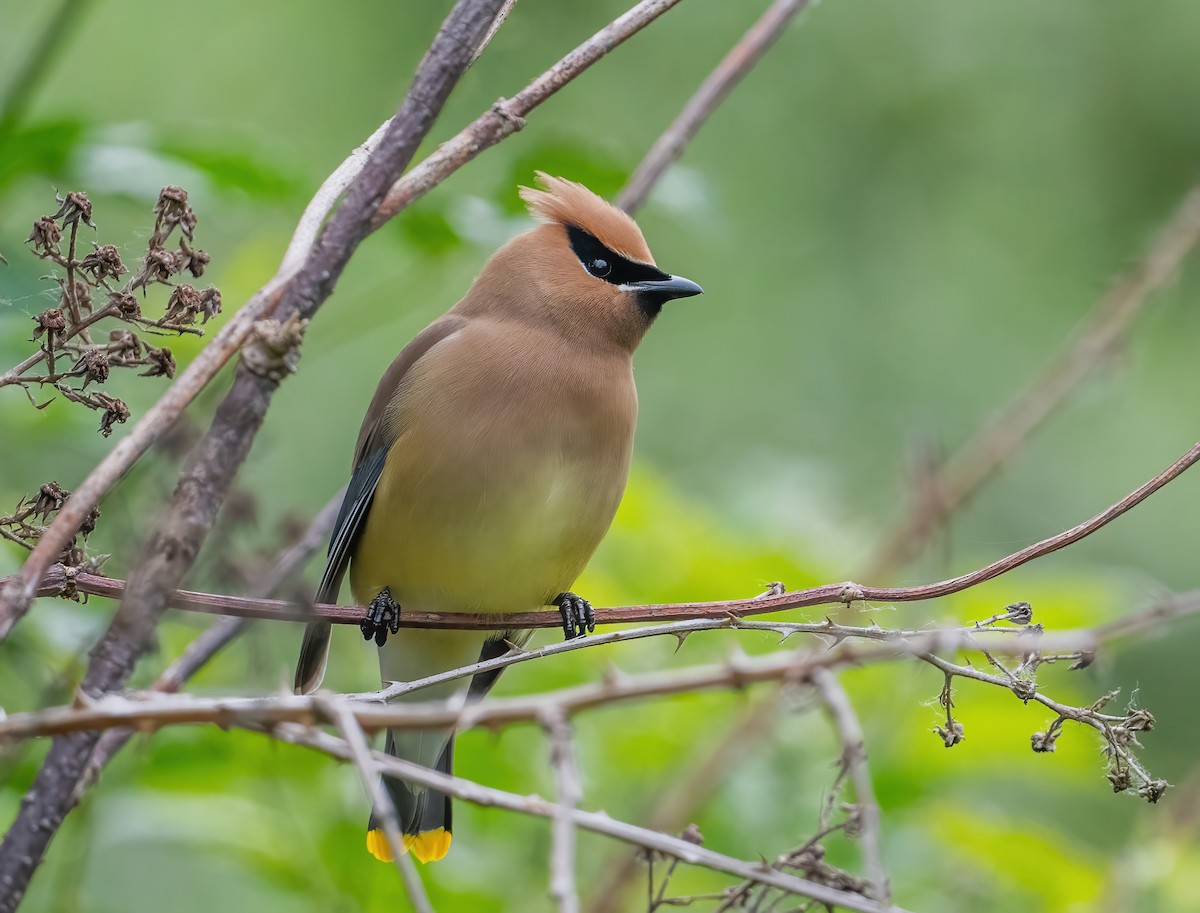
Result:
pixel 897 218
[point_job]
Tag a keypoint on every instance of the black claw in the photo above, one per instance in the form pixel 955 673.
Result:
pixel 578 616
pixel 383 615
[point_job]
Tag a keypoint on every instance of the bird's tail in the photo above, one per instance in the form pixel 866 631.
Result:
pixel 424 814
pixel 314 654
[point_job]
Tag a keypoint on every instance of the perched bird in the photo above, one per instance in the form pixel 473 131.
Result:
pixel 490 464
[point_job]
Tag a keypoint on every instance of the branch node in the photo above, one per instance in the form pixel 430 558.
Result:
pixel 500 108
pixel 273 348
pixel 850 593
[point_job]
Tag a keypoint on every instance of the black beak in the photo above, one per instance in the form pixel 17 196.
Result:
pixel 666 289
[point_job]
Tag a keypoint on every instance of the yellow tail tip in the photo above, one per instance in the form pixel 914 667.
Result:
pixel 427 846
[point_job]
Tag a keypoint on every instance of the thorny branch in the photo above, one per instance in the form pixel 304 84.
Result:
pixel 174 543
pixel 854 760
pixel 504 118
pixel 372 711
pixel 832 593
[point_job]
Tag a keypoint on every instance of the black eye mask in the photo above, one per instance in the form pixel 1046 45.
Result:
pixel 608 265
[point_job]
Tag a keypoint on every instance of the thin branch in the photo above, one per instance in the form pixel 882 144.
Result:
pixel 597 822
pixel 570 791
pixel 1090 347
pixel 854 756
pixel 176 539
pixel 683 794
pixel 505 118
pixel 368 773
pixel 62 579
pixel 150 711
pixel 217 636
pixel 707 98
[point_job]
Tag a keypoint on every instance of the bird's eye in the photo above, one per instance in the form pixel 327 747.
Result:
pixel 599 267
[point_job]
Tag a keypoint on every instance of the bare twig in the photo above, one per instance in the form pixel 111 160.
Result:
pixel 507 115
pixel 854 756
pixel 570 791
pixel 503 119
pixel 491 32
pixel 714 90
pixel 1090 347
pixel 375 713
pixel 597 822
pixel 176 539
pixel 828 594
pixel 215 638
pixel 683 794
pixel 369 774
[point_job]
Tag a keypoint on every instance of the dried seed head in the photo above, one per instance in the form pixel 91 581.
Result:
pixel 1086 658
pixel 74 207
pixel 45 236
pixel 162 362
pixel 127 306
pixel 1021 613
pixel 1140 721
pixel 172 203
pixel 210 302
pixel 1044 741
pixel 1153 791
pixel 125 342
pixel 95 366
pixel 159 266
pixel 951 734
pixel 172 210
pixel 50 498
pixel 1025 690
pixel 184 304
pixel 88 526
pixel 103 263
pixel 51 322
pixel 197 260
pixel 115 412
pixel 1119 778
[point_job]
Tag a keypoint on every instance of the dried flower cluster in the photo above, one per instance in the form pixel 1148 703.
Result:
pixel 73 359
pixel 25 524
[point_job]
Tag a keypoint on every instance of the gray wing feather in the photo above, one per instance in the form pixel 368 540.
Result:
pixel 352 515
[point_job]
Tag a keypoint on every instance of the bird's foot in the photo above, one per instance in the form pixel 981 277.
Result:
pixel 578 616
pixel 383 615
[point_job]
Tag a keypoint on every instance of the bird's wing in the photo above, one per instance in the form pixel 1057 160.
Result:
pixel 374 441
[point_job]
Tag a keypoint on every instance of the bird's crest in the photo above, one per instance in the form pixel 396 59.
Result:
pixel 558 200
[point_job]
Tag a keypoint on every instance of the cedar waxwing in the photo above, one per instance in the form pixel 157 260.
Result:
pixel 490 464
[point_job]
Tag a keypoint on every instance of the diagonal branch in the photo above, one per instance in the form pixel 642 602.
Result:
pixel 597 822
pixel 854 756
pixel 369 774
pixel 172 547
pixel 566 779
pixel 744 56
pixel 65 580
pixel 215 638
pixel 1090 347
pixel 505 118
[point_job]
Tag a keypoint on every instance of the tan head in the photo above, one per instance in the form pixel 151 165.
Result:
pixel 586 270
